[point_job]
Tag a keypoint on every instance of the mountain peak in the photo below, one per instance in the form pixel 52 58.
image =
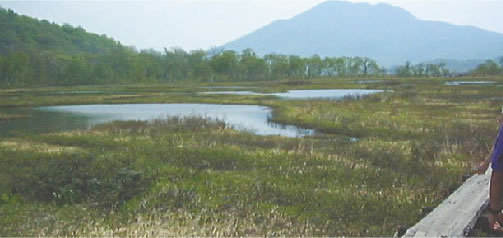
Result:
pixel 387 33
pixel 344 10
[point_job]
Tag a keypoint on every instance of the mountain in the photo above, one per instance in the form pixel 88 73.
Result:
pixel 24 34
pixel 388 34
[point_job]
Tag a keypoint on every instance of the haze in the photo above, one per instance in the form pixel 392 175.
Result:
pixel 202 24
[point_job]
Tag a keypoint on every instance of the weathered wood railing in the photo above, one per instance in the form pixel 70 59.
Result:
pixel 456 216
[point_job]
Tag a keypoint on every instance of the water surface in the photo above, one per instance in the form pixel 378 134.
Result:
pixel 307 94
pixel 369 81
pixel 459 83
pixel 326 93
pixel 251 118
pixel 243 93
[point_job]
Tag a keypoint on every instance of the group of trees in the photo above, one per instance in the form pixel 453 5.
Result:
pixel 24 34
pixel 422 70
pixel 490 67
pixel 122 65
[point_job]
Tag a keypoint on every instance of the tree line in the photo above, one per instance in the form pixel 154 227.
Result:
pixel 125 65
pixel 38 53
pixel 421 70
pixel 490 67
pixel 121 64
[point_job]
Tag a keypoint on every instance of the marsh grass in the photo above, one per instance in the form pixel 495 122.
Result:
pixel 9 116
pixel 195 177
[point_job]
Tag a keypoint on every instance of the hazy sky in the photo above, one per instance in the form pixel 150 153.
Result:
pixel 193 24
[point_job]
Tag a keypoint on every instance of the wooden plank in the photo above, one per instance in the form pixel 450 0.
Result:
pixel 457 215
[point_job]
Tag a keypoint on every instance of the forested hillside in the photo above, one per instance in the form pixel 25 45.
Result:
pixel 25 34
pixel 38 53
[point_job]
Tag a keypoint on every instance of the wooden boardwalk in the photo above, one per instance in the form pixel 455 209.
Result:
pixel 457 215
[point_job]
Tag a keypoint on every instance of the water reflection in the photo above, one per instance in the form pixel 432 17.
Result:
pixel 249 118
pixel 458 83
pixel 243 93
pixel 369 81
pixel 307 94
pixel 326 94
pixel 40 121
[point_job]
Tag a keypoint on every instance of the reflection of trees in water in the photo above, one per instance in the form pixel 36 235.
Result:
pixel 256 120
pixel 39 122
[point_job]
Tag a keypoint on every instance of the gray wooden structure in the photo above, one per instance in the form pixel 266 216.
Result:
pixel 457 215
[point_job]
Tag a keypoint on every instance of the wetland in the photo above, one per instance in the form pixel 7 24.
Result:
pixel 112 160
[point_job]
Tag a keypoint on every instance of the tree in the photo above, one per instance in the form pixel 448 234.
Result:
pixel 340 66
pixel 419 70
pixel 433 70
pixel 251 66
pixel 404 70
pixel 297 67
pixel 176 64
pixel 488 68
pixel 199 66
pixel 315 65
pixel 1 69
pixel 225 64
pixel 278 65
pixel 355 65
pixel 369 66
pixel 16 69
pixel 76 71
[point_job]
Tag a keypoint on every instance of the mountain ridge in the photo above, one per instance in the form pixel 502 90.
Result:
pixel 387 33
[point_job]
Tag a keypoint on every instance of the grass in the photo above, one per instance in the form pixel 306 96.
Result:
pixel 194 177
pixel 9 116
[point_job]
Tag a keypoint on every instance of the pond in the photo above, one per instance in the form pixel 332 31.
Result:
pixel 332 94
pixel 243 93
pixel 227 87
pixel 369 81
pixel 459 83
pixel 83 92
pixel 326 93
pixel 251 118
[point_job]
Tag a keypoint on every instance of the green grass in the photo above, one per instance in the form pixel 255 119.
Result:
pixel 193 177
pixel 9 116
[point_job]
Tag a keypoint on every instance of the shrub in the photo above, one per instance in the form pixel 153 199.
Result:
pixel 77 178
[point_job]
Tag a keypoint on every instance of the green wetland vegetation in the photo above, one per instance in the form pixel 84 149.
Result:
pixel 196 177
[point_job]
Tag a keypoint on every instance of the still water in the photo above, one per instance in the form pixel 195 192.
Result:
pixel 331 94
pixel 459 83
pixel 326 94
pixel 251 118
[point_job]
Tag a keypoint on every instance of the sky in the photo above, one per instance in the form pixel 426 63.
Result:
pixel 202 24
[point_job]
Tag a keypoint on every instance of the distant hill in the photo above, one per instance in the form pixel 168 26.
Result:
pixel 389 34
pixel 25 34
